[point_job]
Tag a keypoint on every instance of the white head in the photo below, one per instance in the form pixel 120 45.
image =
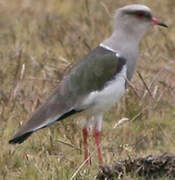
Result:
pixel 135 20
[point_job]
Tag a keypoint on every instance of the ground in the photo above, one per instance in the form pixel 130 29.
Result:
pixel 39 41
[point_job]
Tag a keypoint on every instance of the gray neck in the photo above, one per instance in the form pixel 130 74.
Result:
pixel 127 46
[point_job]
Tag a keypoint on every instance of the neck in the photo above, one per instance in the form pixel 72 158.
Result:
pixel 122 42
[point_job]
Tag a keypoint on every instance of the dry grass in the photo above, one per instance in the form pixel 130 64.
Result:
pixel 38 41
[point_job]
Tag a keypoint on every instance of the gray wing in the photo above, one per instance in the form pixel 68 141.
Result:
pixel 90 74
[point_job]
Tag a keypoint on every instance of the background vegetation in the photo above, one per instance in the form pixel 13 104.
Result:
pixel 39 40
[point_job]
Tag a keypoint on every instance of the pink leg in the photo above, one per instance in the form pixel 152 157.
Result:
pixel 85 143
pixel 96 135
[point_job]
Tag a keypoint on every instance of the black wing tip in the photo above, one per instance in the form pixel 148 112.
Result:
pixel 20 139
pixel 69 113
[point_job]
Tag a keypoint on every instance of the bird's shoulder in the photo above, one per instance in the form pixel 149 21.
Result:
pixel 101 57
pixel 94 70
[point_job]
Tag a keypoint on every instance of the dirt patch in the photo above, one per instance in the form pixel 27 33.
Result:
pixel 149 167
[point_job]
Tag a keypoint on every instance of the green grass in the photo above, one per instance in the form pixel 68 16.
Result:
pixel 39 41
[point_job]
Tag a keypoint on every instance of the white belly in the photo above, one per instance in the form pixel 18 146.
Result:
pixel 102 101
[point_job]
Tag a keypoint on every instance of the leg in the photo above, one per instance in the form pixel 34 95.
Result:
pixel 96 134
pixel 85 141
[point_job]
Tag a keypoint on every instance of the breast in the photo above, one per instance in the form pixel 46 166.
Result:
pixel 102 101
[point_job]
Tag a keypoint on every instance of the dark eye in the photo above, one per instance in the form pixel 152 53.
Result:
pixel 140 14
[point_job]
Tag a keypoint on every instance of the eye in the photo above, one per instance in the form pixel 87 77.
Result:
pixel 140 14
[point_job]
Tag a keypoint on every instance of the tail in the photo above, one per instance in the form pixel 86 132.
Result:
pixel 54 109
pixel 19 139
pixel 26 131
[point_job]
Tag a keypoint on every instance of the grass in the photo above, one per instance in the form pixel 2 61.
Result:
pixel 39 40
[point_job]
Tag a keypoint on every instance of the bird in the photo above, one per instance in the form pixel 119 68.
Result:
pixel 97 81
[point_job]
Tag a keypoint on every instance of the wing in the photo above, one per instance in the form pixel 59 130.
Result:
pixel 90 74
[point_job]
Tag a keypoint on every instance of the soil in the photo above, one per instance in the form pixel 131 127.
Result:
pixel 150 166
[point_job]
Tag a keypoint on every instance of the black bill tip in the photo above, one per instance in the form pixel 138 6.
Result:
pixel 162 24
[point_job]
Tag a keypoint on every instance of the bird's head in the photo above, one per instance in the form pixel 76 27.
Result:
pixel 135 19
